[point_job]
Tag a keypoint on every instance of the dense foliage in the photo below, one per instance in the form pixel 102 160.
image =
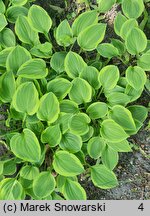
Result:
pixel 68 94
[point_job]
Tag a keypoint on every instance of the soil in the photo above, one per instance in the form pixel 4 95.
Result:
pixel 133 170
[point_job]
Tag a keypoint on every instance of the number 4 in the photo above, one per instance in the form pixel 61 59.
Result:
pixel 141 207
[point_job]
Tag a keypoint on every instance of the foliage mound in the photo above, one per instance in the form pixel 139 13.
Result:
pixel 69 95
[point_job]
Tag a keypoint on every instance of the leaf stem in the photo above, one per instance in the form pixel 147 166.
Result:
pixel 100 92
pixel 144 21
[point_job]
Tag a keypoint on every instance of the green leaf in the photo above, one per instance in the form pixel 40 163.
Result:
pixel 118 23
pixel 81 91
pixel 132 41
pixel 95 147
pixel 144 62
pixel 59 86
pixel 97 110
pixel 109 76
pixel 102 177
pixel 26 146
pixel 129 24
pixel 7 38
pixel 138 112
pixel 88 135
pixel 133 93
pixel 11 189
pixel 33 69
pixel 37 127
pixel 3 21
pixel 55 196
pixel 7 87
pixel 14 12
pixel 42 50
pixel 112 132
pixel 70 167
pixel 2 7
pixel 122 146
pixel 64 34
pixel 132 8
pixel 1 167
pixel 47 181
pixel 19 3
pixel 26 99
pixel 110 157
pixel 16 115
pixel 63 120
pixel 123 117
pixel 90 38
pixel 48 108
pixel 29 172
pixel 62 179
pixel 119 45
pixel 25 32
pixel 74 64
pixel 115 98
pixel 57 61
pixel 90 74
pixel 51 135
pixel 104 6
pixel 71 142
pixel 83 21
pixel 21 54
pixel 136 77
pixel 107 50
pixel 9 167
pixel 79 124
pixel 39 19
pixel 3 56
pixel 73 190
pixel 68 106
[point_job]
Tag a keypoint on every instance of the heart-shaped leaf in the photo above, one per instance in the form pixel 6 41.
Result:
pixel 21 54
pixel 26 99
pixel 136 77
pixel 25 32
pixel 70 167
pixel 95 147
pixel 132 9
pixel 71 142
pixel 11 189
pixel 60 87
pixel 83 21
pixel 51 135
pixel 26 146
pixel 81 91
pixel 132 41
pixel 48 108
pixel 39 19
pixel 109 76
pixel 33 69
pixel 102 177
pixel 123 117
pixel 97 110
pixel 74 64
pixel 79 123
pixel 47 181
pixel 90 38
pixel 112 132
pixel 110 157
pixel 72 190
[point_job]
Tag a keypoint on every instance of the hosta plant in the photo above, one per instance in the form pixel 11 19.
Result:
pixel 69 95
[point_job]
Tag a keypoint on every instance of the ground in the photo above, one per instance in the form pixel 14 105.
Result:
pixel 133 170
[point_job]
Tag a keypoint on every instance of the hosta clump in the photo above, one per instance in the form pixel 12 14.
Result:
pixel 71 104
